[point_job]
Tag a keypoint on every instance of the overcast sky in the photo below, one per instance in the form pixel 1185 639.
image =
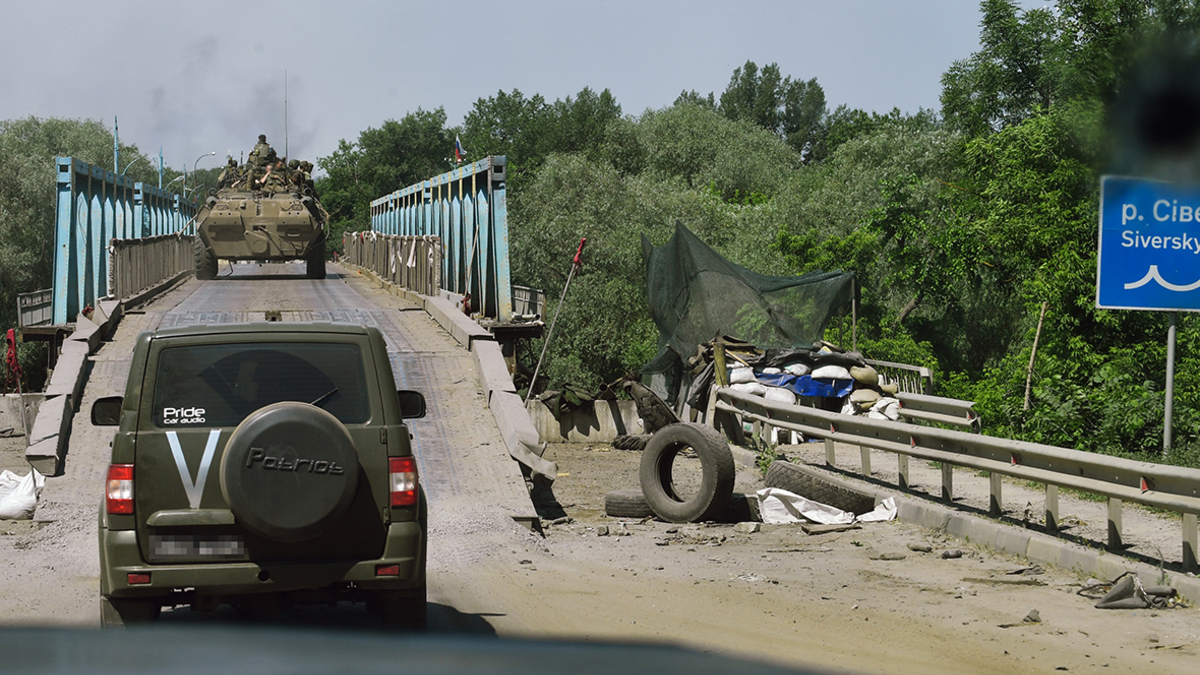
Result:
pixel 200 76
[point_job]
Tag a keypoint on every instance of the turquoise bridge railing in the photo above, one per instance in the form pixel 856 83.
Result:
pixel 93 208
pixel 467 207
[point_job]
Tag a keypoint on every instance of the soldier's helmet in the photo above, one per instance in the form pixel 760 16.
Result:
pixel 294 164
pixel 262 138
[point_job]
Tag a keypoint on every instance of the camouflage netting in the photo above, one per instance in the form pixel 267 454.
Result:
pixel 696 296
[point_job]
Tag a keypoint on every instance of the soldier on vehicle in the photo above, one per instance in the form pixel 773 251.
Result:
pixel 228 174
pixel 262 151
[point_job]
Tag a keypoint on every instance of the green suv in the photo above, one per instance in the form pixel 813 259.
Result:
pixel 262 465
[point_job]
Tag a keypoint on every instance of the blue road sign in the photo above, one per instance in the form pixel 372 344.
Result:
pixel 1149 255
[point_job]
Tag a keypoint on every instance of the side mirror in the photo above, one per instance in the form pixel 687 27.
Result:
pixel 412 404
pixel 106 412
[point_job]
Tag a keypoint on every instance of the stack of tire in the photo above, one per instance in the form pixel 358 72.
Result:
pixel 658 497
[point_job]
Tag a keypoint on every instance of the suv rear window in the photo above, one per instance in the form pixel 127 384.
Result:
pixel 219 385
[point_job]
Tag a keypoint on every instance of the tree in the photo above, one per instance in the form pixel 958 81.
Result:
pixel 383 160
pixel 28 148
pixel 1015 72
pixel 792 109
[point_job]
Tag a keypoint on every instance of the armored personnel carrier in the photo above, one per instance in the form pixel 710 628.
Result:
pixel 262 210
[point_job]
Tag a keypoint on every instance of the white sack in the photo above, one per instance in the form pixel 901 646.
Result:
pixel 848 407
pixel 797 369
pixel 780 506
pixel 886 408
pixel 753 388
pixel 741 375
pixel 771 371
pixel 832 372
pixel 18 496
pixel 780 395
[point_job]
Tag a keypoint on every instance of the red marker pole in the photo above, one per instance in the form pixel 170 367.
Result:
pixel 576 264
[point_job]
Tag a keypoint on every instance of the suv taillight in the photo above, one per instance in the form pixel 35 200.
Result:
pixel 119 493
pixel 403 474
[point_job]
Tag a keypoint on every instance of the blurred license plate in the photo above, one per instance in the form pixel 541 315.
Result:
pixel 197 547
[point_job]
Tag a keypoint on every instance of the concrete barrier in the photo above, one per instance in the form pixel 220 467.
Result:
pixel 10 412
pixel 492 369
pixel 599 422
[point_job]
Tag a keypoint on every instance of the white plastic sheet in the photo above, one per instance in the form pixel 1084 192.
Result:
pixel 19 495
pixel 780 507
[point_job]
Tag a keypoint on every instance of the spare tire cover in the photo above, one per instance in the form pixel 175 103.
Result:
pixel 289 471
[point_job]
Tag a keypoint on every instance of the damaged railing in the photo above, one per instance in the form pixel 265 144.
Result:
pixel 1171 488
pixel 912 379
pixel 411 262
pixel 138 264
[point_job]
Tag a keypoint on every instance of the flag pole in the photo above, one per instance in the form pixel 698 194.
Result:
pixel 576 264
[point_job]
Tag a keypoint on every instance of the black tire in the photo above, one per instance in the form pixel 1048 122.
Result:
pixel 315 261
pixel 811 484
pixel 627 504
pixel 121 612
pixel 712 497
pixel 744 508
pixel 403 610
pixel 290 471
pixel 206 261
pixel 631 442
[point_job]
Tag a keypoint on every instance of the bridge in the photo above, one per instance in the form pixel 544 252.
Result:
pixel 430 245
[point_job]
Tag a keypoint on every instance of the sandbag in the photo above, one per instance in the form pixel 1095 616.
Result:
pixel 753 388
pixel 741 375
pixel 886 408
pixel 780 395
pixel 19 495
pixel 865 374
pixel 864 398
pixel 797 369
pixel 831 372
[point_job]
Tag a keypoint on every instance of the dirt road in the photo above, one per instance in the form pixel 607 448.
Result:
pixel 776 594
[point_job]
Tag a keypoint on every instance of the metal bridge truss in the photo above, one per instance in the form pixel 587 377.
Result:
pixel 468 209
pixel 93 208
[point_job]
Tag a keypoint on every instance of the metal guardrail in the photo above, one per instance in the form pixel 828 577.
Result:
pixel 412 262
pixel 94 206
pixel 466 208
pixel 911 379
pixel 1167 487
pixel 35 309
pixel 138 264
pixel 938 409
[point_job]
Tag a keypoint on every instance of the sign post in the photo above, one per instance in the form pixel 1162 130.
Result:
pixel 1149 256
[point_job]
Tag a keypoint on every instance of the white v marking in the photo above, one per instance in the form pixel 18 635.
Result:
pixel 194 489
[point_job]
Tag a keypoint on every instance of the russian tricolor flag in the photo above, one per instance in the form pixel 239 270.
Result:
pixel 459 153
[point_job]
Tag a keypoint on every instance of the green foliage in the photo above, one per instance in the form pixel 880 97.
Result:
pixel 383 160
pixel 704 149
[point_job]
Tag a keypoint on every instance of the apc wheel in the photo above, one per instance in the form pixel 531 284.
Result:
pixel 627 504
pixel 290 471
pixel 121 612
pixel 315 261
pixel 206 262
pixel 810 484
pixel 710 500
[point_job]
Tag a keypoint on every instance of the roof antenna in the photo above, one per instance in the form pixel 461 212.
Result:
pixel 285 115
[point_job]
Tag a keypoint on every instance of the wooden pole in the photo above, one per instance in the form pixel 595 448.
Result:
pixel 1033 355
